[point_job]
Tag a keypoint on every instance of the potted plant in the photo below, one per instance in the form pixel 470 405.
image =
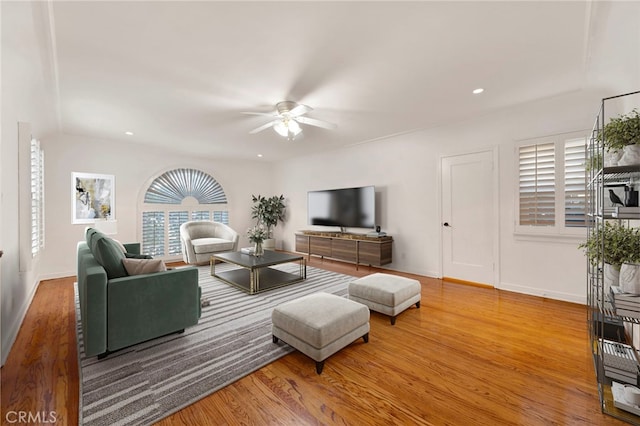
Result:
pixel 630 268
pixel 268 212
pixel 615 244
pixel 622 133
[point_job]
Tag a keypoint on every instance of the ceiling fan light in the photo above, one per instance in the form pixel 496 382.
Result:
pixel 294 127
pixel 281 128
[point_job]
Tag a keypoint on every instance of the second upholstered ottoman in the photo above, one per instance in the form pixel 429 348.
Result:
pixel 385 293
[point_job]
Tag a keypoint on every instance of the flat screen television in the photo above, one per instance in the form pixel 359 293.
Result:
pixel 346 207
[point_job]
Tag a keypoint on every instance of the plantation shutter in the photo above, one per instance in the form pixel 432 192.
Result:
pixel 37 197
pixel 153 233
pixel 176 218
pixel 537 184
pixel 221 216
pixel 575 183
pixel 171 201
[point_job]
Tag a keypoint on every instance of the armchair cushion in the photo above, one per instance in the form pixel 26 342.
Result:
pixel 143 266
pixel 209 245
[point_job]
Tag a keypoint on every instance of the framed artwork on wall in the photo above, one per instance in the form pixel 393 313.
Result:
pixel 93 197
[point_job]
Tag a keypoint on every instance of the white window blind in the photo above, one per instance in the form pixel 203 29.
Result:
pixel 153 233
pixel 575 183
pixel 537 184
pixel 176 218
pixel 37 197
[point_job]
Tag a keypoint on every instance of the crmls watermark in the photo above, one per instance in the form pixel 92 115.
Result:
pixel 26 417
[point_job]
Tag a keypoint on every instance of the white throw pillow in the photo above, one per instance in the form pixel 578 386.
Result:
pixel 143 266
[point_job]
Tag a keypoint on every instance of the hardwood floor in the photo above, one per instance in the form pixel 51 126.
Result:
pixel 469 355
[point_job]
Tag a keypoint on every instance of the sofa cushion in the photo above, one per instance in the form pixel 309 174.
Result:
pixel 211 245
pixel 89 234
pixel 143 266
pixel 109 255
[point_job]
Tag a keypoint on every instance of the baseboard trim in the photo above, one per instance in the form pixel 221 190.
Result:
pixel 545 293
pixel 465 282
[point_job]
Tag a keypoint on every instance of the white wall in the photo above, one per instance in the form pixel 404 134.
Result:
pixel 26 97
pixel 133 166
pixel 405 171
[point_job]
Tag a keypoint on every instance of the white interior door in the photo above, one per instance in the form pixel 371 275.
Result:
pixel 468 217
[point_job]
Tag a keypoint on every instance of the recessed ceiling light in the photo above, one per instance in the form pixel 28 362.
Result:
pixel 128 133
pixel 478 91
pixel 260 155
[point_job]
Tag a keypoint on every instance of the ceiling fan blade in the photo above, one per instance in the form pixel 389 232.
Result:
pixel 263 127
pixel 317 123
pixel 299 110
pixel 267 114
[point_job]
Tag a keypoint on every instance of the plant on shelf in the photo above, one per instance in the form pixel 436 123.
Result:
pixel 614 243
pixel 622 131
pixel 268 211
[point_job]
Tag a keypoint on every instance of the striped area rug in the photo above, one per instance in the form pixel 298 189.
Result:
pixel 147 382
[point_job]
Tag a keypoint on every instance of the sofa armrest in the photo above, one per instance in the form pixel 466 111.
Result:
pixel 142 307
pixel 92 292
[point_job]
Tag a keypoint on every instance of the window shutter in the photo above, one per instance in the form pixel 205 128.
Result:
pixel 37 197
pixel 170 201
pixel 153 233
pixel 221 216
pixel 200 215
pixel 176 218
pixel 537 184
pixel 575 183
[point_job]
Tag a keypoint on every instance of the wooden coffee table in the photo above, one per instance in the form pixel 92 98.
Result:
pixel 255 274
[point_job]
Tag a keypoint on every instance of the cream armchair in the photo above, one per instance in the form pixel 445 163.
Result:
pixel 202 238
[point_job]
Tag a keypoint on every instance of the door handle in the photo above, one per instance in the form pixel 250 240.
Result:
pixel 447 225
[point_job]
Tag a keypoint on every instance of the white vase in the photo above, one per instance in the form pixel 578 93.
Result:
pixel 269 244
pixel 611 158
pixel 611 277
pixel 630 278
pixel 630 155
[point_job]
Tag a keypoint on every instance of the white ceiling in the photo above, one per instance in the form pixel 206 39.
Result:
pixel 180 74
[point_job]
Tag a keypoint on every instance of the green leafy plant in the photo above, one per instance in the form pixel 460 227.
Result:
pixel 614 243
pixel 622 131
pixel 268 211
pixel 594 163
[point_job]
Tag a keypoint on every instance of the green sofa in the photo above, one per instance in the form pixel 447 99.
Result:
pixel 118 310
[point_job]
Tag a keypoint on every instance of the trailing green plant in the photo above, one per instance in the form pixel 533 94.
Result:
pixel 614 243
pixel 594 163
pixel 622 131
pixel 268 211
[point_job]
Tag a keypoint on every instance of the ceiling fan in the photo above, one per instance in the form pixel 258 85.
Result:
pixel 287 118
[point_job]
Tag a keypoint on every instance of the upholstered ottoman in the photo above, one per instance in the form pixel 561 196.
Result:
pixel 320 324
pixel 385 293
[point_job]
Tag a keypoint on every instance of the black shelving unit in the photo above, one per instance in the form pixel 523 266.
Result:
pixel 611 335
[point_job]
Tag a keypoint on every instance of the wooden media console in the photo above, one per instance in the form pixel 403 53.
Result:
pixel 354 248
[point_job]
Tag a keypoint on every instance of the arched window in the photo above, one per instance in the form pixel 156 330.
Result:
pixel 173 198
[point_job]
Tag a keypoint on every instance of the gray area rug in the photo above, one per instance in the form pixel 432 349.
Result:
pixel 147 382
